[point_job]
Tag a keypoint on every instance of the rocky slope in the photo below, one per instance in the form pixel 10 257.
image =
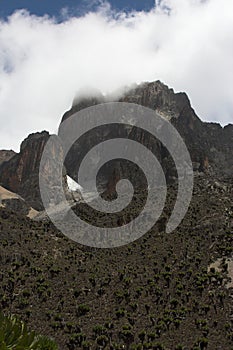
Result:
pixel 16 203
pixel 161 292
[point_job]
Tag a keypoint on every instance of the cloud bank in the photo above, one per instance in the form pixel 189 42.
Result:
pixel 187 44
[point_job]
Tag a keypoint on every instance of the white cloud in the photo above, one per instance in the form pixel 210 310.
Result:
pixel 188 44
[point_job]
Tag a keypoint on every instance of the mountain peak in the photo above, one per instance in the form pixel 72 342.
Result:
pixel 209 144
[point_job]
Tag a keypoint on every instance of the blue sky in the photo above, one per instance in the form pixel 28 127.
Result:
pixel 53 7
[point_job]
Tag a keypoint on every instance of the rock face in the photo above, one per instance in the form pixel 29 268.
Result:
pixel 6 155
pixel 20 173
pixel 209 144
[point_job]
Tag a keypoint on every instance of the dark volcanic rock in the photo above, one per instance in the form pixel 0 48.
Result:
pixel 6 155
pixel 210 145
pixel 20 173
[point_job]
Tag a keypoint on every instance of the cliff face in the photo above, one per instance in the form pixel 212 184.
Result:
pixel 6 155
pixel 210 145
pixel 20 173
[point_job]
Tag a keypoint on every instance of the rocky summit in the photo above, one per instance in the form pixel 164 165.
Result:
pixel 210 145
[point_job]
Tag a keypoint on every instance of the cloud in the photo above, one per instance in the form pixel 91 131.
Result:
pixel 188 44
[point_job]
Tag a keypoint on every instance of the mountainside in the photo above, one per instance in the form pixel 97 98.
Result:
pixel 164 291
pixel 209 144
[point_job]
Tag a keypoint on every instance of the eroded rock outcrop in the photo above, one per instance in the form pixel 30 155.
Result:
pixel 20 173
pixel 209 144
pixel 6 155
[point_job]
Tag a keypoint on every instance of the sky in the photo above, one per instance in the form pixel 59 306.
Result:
pixel 52 50
pixel 76 7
